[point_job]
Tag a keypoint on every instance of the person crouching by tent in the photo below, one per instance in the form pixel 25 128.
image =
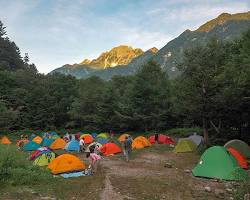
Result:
pixel 94 161
pixel 128 147
pixel 82 143
pixel 156 137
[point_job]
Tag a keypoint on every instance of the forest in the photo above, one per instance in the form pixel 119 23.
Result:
pixel 212 92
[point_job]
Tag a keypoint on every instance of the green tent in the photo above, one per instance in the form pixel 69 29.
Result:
pixel 185 145
pixel 240 146
pixel 217 162
pixel 44 159
pixel 31 146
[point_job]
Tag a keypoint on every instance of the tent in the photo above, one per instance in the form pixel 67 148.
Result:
pixel 185 145
pixel 44 158
pixel 5 140
pixel 87 139
pixel 140 142
pixel 73 145
pixel 197 139
pixel 85 134
pixel 103 135
pixel 66 163
pixel 47 142
pixel 31 146
pixel 239 157
pixel 94 135
pixel 162 139
pixel 240 146
pixel 102 140
pixel 122 137
pixel 90 145
pixel 110 148
pixel 59 143
pixel 37 139
pixel 217 162
pixel 39 151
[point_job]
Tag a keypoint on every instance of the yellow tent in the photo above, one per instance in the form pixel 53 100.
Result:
pixel 140 142
pixel 185 145
pixel 103 135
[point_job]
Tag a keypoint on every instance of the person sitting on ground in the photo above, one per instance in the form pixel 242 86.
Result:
pixel 128 147
pixel 82 143
pixel 94 161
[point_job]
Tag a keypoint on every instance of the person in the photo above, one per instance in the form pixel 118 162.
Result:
pixel 94 161
pixel 128 147
pixel 82 143
pixel 156 137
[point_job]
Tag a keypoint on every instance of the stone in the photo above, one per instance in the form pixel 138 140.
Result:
pixel 168 165
pixel 230 190
pixel 187 171
pixel 208 189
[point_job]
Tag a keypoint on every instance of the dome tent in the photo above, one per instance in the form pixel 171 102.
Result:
pixel 185 145
pixel 240 146
pixel 5 140
pixel 217 162
pixel 73 145
pixel 31 146
pixel 66 163
pixel 110 148
pixel 140 142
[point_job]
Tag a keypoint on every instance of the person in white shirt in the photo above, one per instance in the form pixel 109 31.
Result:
pixel 82 143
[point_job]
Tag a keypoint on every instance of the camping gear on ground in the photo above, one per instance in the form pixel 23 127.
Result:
pixel 185 145
pixel 87 138
pixel 22 142
pixel 197 139
pixel 123 137
pixel 162 139
pixel 103 135
pixel 93 146
pixel 37 139
pixel 59 143
pixel 47 142
pixel 44 158
pixel 110 149
pixel 102 140
pixel 31 146
pixel 66 163
pixel 240 146
pixel 239 157
pixel 5 140
pixel 217 162
pixel 140 142
pixel 73 145
pixel 86 172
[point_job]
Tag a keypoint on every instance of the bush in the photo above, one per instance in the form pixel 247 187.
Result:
pixel 15 169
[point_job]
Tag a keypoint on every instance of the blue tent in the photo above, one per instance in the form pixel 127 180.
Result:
pixel 73 145
pixel 47 142
pixel 102 140
pixel 94 135
pixel 31 146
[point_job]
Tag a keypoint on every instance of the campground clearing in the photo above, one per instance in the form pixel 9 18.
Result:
pixel 152 173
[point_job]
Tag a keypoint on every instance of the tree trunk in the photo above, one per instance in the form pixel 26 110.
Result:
pixel 205 130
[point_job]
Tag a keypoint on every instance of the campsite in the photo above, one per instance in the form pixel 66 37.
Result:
pixel 124 100
pixel 163 168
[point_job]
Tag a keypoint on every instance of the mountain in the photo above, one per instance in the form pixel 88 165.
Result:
pixel 124 60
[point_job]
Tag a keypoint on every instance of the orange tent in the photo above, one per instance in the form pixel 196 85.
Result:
pixel 140 142
pixel 5 140
pixel 66 163
pixel 122 137
pixel 110 148
pixel 239 157
pixel 37 140
pixel 59 143
pixel 88 139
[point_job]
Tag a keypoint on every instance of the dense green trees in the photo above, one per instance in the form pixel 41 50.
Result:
pixel 212 92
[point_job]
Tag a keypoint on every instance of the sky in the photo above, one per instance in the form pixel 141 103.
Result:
pixel 56 32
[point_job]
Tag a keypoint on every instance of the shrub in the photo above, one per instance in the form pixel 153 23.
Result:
pixel 15 169
pixel 183 132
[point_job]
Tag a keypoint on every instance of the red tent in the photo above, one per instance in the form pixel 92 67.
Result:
pixel 110 148
pixel 239 157
pixel 162 139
